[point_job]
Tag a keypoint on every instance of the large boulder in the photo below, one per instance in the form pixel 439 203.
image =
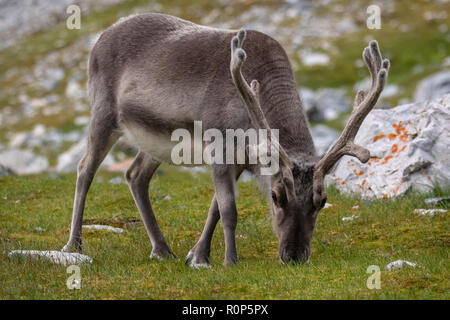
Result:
pixel 433 87
pixel 409 151
pixel 23 161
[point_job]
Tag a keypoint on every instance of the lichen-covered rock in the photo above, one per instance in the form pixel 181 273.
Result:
pixel 409 150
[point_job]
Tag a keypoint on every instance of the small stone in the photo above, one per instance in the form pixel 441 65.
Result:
pixel 429 212
pixel 103 227
pixel 398 264
pixel 57 257
pixel 353 217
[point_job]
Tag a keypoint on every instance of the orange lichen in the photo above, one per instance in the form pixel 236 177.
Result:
pixel 343 182
pixel 392 136
pixel 363 182
pixel 403 148
pixel 385 195
pixel 394 148
pixel 387 159
pixel 381 136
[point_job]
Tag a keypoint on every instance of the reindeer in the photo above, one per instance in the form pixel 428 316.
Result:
pixel 153 73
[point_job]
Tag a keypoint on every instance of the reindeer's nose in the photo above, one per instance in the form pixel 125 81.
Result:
pixel 292 255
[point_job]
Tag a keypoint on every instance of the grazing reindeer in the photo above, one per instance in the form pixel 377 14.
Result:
pixel 154 73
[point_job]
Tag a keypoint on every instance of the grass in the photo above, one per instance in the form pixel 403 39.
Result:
pixel 386 230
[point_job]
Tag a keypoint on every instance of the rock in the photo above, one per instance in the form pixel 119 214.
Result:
pixel 433 87
pixel 246 176
pixel 116 180
pixel 325 104
pixel 429 212
pixel 323 138
pixel 4 171
pixel 168 197
pixel 51 78
pixel 355 207
pixel 68 161
pixel 327 205
pixel 81 121
pixel 332 102
pixel 309 103
pixel 58 257
pixel 103 227
pixel 437 200
pixel 353 217
pixel 74 90
pixel 23 161
pixel 315 59
pixel 406 145
pixel 398 264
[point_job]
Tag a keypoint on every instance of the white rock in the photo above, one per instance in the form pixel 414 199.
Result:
pixel 58 257
pixel 116 180
pixel 68 161
pixel 23 161
pixel 74 90
pixel 406 144
pixel 429 212
pixel 103 227
pixel 327 205
pixel 81 121
pixel 332 102
pixel 355 207
pixel 353 217
pixel 315 59
pixel 436 200
pixel 433 87
pixel 398 264
pixel 168 197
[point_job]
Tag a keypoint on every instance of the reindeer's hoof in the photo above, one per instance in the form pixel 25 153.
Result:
pixel 161 254
pixel 196 262
pixel 73 247
pixel 230 262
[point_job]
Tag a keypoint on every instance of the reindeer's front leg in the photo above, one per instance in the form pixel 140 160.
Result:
pixel 224 176
pixel 198 256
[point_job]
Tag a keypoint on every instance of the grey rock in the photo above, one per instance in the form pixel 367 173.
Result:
pixel 323 137
pixel 433 87
pixel 23 161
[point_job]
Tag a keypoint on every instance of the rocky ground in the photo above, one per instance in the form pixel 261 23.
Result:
pixel 43 106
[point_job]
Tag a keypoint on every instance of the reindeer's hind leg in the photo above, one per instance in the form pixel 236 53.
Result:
pixel 138 177
pixel 103 133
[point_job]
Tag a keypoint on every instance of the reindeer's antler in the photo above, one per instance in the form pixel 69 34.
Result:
pixel 250 94
pixel 363 104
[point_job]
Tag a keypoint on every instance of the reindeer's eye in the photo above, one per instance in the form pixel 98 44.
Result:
pixel 322 204
pixel 274 197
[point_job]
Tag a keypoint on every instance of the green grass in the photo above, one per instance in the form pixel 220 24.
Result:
pixel 386 230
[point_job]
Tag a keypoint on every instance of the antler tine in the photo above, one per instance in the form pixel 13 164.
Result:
pixel 363 104
pixel 250 94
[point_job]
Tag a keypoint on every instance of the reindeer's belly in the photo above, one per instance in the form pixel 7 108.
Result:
pixel 158 145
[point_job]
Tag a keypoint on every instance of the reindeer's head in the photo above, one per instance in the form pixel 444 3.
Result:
pixel 297 189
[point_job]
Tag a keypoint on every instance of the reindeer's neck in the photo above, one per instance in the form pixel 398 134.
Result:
pixel 284 111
